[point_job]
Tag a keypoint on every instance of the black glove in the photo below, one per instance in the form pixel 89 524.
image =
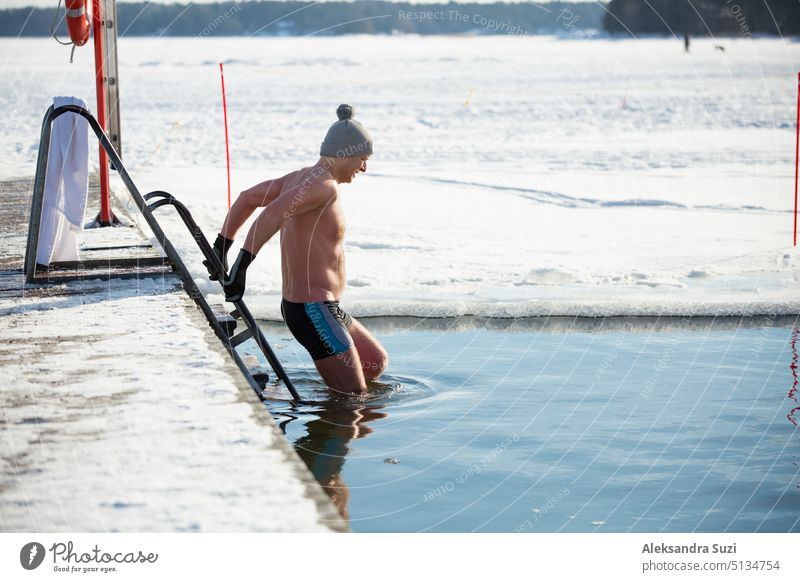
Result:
pixel 234 283
pixel 221 247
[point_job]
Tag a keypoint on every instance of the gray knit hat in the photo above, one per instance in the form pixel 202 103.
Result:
pixel 346 138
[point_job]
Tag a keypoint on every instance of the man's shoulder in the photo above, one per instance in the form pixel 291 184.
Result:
pixel 307 191
pixel 321 186
pixel 308 178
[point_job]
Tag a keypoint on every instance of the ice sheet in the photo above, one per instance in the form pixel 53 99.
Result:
pixel 511 176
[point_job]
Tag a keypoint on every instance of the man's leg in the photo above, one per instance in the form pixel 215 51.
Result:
pixel 374 358
pixel 324 328
pixel 342 372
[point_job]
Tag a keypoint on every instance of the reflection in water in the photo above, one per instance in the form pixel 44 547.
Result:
pixel 793 366
pixel 331 424
pixel 326 443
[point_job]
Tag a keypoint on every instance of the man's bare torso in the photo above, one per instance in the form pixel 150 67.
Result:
pixel 312 252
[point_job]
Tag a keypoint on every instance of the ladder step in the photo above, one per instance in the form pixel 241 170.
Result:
pixel 241 337
pixel 222 316
pixel 259 373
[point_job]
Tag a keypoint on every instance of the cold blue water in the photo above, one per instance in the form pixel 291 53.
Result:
pixel 611 425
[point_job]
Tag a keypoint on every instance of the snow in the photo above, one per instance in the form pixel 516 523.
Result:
pixel 512 176
pixel 95 439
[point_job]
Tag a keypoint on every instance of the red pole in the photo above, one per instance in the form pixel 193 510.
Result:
pixel 796 157
pixel 99 58
pixel 227 150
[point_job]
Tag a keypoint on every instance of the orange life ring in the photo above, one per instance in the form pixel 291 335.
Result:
pixel 77 21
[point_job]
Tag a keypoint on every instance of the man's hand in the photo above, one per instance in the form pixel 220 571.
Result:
pixel 235 283
pixel 221 247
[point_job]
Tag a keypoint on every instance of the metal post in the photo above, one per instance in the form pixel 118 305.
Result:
pixel 104 218
pixel 35 219
pixel 112 74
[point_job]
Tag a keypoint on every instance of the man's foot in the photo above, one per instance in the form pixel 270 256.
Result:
pixel 221 247
pixel 235 282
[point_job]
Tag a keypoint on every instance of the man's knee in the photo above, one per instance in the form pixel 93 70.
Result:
pixel 375 364
pixel 349 359
pixel 341 372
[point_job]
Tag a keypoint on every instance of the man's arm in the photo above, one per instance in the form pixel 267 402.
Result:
pixel 259 195
pixel 291 203
pixel 265 192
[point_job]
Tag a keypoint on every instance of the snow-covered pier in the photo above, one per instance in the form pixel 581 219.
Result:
pixel 122 410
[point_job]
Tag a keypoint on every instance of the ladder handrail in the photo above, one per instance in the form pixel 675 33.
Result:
pixel 29 266
pixel 38 192
pixel 167 199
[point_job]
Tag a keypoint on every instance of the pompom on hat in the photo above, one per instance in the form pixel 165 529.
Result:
pixel 346 138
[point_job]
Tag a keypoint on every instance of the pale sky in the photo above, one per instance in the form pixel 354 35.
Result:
pixel 54 3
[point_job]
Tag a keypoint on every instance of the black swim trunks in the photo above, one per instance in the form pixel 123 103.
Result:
pixel 321 327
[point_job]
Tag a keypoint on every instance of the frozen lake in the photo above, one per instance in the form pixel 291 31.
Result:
pixel 512 176
pixel 576 426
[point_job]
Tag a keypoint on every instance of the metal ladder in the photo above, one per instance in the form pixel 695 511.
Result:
pixel 222 324
pixel 160 198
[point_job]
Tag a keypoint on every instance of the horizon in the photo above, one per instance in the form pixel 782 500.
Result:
pixel 14 4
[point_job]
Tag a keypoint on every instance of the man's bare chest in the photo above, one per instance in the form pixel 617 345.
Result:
pixel 324 225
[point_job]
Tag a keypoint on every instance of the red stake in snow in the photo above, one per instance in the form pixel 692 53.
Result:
pixel 796 157
pixel 227 150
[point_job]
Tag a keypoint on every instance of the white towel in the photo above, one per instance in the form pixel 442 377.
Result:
pixel 66 186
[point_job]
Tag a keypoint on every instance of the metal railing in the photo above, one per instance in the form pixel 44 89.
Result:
pixel 253 331
pixel 161 199
pixel 32 248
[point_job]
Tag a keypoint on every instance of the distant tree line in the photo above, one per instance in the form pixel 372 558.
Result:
pixel 703 17
pixel 271 18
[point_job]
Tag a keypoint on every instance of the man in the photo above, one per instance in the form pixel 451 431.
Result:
pixel 304 206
